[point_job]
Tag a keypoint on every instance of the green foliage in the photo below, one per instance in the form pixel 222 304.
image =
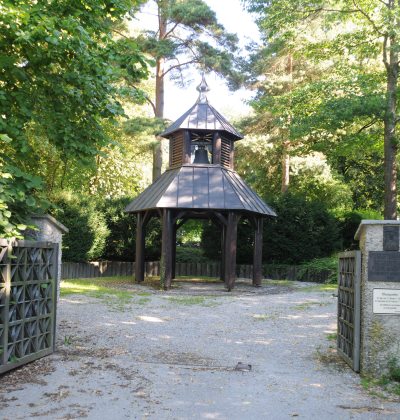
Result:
pixel 153 240
pixel 87 226
pixel 349 223
pixel 185 254
pixel 121 241
pixel 394 369
pixel 211 242
pixel 17 200
pixel 190 232
pixel 302 231
pixel 192 35
pixel 321 86
pixel 58 86
pixel 319 266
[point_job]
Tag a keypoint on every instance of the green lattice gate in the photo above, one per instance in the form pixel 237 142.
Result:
pixel 349 307
pixel 28 297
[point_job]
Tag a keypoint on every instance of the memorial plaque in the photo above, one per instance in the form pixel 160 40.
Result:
pixel 391 238
pixel 384 266
pixel 386 301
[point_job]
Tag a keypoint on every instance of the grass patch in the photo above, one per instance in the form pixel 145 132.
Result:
pixel 308 305
pixel 283 283
pixel 332 336
pixel 325 287
pixel 264 317
pixel 198 279
pixel 154 281
pixel 142 301
pixel 193 300
pixel 95 287
pixel 108 289
pixel 383 387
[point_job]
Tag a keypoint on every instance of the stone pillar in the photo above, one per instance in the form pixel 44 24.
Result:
pixel 49 230
pixel 380 295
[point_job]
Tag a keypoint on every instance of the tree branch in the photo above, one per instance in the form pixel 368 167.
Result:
pixel 121 34
pixel 171 30
pixel 360 10
pixel 153 105
pixel 175 66
pixel 370 124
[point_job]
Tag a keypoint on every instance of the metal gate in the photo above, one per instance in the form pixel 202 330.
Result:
pixel 28 297
pixel 349 305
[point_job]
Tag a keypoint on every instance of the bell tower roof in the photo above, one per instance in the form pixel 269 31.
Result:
pixel 202 116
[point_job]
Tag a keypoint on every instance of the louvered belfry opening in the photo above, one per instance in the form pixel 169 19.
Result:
pixel 200 183
pixel 175 150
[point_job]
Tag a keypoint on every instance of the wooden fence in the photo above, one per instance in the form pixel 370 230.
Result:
pixel 94 269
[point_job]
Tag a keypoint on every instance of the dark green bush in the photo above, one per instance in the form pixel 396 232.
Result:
pixel 87 226
pixel 318 266
pixel 303 230
pixel 211 242
pixel 153 240
pixel 121 241
pixel 186 254
pixel 349 223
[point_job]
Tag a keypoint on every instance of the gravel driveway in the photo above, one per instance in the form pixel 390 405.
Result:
pixel 174 355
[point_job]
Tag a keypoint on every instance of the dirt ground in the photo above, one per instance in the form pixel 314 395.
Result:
pixel 195 352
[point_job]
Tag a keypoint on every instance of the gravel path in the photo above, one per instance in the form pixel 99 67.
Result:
pixel 172 355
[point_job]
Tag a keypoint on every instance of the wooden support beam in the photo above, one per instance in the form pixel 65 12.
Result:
pixel 173 256
pixel 166 250
pixel 140 248
pixel 223 220
pixel 257 256
pixel 230 251
pixel 223 237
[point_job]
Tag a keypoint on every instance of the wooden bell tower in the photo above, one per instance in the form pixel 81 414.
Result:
pixel 200 183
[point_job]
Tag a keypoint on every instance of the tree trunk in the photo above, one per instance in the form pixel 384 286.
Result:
pixel 286 143
pixel 285 166
pixel 159 97
pixel 390 140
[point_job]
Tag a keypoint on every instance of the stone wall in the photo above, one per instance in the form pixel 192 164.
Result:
pixel 49 230
pixel 380 333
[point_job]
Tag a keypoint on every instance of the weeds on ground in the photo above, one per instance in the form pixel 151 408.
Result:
pixel 265 317
pixel 330 358
pixel 324 287
pixel 285 283
pixel 388 384
pixel 193 300
pixel 332 336
pixel 308 305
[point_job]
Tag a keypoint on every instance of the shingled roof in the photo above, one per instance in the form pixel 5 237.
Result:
pixel 200 187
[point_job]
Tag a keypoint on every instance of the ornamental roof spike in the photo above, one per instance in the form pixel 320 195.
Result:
pixel 202 116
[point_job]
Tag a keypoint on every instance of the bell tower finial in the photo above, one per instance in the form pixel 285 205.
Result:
pixel 203 89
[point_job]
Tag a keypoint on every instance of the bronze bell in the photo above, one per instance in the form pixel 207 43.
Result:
pixel 201 155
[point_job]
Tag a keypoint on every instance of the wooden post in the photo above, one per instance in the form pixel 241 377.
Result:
pixel 230 251
pixel 257 256
pixel 223 237
pixel 140 248
pixel 166 250
pixel 173 262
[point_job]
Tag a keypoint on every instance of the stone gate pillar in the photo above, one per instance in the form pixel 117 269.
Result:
pixel 380 295
pixel 49 230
